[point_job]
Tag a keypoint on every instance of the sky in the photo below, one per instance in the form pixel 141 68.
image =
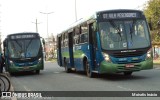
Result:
pixel 20 15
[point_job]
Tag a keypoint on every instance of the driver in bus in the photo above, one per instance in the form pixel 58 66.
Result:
pixel 107 36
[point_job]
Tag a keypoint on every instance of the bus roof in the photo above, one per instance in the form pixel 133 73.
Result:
pixel 23 33
pixel 95 15
pixel 120 10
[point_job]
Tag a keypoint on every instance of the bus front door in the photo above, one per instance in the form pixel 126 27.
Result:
pixel 92 43
pixel 71 49
pixel 59 57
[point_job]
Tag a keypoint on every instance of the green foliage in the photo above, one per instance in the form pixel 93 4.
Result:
pixel 152 13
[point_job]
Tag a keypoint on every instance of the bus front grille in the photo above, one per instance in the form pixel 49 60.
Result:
pixel 127 54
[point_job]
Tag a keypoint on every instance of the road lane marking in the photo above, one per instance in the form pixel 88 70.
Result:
pixel 26 88
pixel 56 72
pixel 125 88
pixel 78 76
pixel 12 89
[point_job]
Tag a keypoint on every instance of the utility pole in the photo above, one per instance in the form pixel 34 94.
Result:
pixel 36 25
pixel 47 44
pixel 76 10
pixel 47 20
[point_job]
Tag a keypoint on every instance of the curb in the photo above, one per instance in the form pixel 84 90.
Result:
pixel 156 66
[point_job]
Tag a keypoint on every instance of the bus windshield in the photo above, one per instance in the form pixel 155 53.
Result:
pixel 124 34
pixel 26 48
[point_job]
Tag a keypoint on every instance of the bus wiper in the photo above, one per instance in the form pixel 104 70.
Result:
pixel 131 34
pixel 117 28
pixel 119 33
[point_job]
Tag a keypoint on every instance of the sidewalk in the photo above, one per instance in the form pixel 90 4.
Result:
pixel 156 63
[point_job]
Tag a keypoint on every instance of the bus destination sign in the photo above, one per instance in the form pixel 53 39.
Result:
pixel 23 36
pixel 119 15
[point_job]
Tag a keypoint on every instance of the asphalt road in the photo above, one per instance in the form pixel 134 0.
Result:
pixel 54 78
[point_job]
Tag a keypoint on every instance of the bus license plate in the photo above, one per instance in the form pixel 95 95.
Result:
pixel 129 65
pixel 25 67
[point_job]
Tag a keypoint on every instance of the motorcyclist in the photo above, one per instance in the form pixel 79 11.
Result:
pixel 2 60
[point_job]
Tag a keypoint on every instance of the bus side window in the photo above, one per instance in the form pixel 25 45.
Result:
pixel 76 36
pixel 94 32
pixel 66 40
pixel 84 38
pixel 62 42
pixel 84 33
pixel 73 37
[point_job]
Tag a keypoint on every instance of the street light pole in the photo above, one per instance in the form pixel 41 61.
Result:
pixel 47 20
pixel 47 53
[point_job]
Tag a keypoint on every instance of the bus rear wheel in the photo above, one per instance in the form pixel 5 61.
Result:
pixel 68 70
pixel 88 70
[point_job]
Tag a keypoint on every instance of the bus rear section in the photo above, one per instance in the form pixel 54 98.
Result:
pixel 23 52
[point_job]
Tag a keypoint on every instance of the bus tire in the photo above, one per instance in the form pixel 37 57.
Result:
pixel 37 71
pixel 67 70
pixel 88 71
pixel 5 82
pixel 127 73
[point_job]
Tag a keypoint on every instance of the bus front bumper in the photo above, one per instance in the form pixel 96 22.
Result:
pixel 13 69
pixel 106 67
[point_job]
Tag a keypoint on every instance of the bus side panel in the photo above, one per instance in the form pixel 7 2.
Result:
pixel 66 58
pixel 81 51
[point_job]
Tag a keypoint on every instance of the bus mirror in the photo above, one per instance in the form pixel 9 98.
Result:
pixel 4 43
pixel 43 41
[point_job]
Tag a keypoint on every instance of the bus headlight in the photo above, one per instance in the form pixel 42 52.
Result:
pixel 106 57
pixel 149 54
pixel 11 62
pixel 39 60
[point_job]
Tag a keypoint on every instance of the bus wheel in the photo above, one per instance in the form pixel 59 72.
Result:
pixel 68 70
pixel 37 71
pixel 88 71
pixel 127 73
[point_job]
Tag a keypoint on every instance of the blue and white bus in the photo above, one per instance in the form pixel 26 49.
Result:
pixel 24 52
pixel 111 41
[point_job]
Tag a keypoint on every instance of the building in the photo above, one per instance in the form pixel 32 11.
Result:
pixel 50 47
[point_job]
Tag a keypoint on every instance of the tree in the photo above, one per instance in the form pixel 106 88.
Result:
pixel 152 13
